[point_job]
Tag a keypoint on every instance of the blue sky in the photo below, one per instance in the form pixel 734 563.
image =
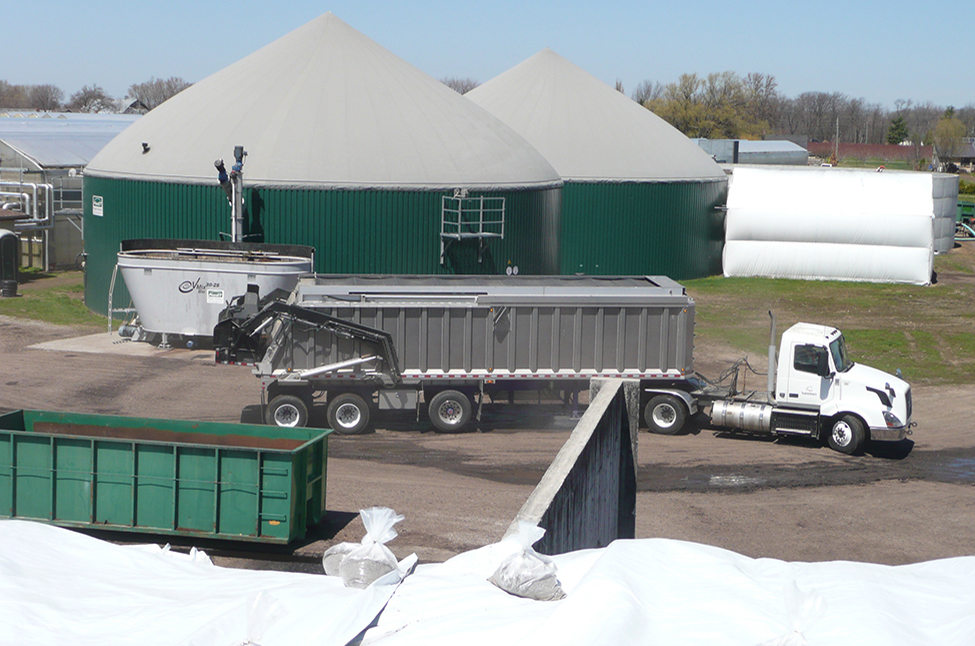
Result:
pixel 880 51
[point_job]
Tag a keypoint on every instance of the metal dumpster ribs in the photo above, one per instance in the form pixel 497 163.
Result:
pixel 228 481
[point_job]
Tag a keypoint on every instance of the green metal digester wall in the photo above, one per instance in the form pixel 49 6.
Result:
pixel 669 227
pixel 353 231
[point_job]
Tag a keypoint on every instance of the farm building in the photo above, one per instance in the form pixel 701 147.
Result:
pixel 639 196
pixel 349 149
pixel 765 152
pixel 42 155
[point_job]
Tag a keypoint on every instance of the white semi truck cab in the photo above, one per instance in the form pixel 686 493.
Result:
pixel 814 390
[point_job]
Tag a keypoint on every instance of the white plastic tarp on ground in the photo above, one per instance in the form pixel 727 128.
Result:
pixel 838 224
pixel 58 587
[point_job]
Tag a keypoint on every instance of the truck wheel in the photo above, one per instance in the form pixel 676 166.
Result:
pixel 847 435
pixel 665 414
pixel 348 414
pixel 287 410
pixel 450 410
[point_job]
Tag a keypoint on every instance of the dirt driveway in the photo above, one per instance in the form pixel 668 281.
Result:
pixel 789 500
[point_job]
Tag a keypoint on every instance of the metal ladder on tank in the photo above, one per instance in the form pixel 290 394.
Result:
pixel 463 217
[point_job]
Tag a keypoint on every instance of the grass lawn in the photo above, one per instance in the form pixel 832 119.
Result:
pixel 56 297
pixel 927 332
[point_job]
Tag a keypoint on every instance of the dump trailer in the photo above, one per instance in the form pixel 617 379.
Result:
pixel 392 342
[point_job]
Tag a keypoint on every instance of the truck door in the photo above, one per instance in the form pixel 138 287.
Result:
pixel 810 382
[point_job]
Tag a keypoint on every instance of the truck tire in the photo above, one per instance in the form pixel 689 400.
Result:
pixel 287 410
pixel 450 410
pixel 348 414
pixel 665 414
pixel 847 434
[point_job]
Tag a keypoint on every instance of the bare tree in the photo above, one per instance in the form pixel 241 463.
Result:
pixel 459 85
pixel 155 91
pixel 789 117
pixel 619 86
pixel 948 136
pixel 647 91
pixel 762 97
pixel 921 120
pixel 967 116
pixel 818 114
pixel 13 96
pixel 45 97
pixel 877 120
pixel 92 98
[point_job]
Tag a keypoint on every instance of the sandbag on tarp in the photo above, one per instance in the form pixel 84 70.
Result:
pixel 59 587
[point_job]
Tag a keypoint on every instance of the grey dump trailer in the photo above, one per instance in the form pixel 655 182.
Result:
pixel 396 342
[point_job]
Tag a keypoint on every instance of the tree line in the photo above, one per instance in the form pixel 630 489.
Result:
pixel 728 106
pixel 90 98
pixel 721 105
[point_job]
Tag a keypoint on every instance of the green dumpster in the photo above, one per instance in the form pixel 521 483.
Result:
pixel 208 479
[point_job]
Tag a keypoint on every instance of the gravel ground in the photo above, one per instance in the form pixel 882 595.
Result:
pixel 785 499
pixel 788 499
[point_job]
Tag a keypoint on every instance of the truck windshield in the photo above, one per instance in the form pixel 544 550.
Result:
pixel 838 349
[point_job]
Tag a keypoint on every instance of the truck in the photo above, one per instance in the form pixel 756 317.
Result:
pixel 444 343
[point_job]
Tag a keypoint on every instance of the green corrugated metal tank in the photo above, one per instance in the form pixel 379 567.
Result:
pixel 350 150
pixel 639 197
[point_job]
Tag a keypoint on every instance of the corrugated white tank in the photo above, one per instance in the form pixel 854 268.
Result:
pixel 838 224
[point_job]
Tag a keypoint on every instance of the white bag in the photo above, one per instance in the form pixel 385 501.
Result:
pixel 333 557
pixel 526 573
pixel 372 559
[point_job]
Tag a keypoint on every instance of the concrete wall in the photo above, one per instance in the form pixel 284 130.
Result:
pixel 587 497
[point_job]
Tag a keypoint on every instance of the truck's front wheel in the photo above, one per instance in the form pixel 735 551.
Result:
pixel 847 435
pixel 348 414
pixel 450 410
pixel 665 414
pixel 287 410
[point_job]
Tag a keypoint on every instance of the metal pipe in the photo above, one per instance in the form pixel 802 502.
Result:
pixel 771 360
pixel 21 185
pixel 38 223
pixel 24 197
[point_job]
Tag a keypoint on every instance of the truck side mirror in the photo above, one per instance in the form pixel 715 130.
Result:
pixel 822 363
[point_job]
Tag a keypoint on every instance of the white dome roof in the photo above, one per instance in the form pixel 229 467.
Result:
pixel 325 107
pixel 588 130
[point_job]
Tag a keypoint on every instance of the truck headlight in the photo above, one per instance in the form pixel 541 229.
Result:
pixel 891 419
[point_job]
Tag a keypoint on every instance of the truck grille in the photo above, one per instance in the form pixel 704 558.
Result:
pixel 910 404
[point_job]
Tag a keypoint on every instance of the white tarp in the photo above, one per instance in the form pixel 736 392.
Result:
pixel 586 129
pixel 325 107
pixel 837 224
pixel 59 587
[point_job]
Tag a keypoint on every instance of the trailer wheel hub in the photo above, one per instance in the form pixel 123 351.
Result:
pixel 286 416
pixel 348 415
pixel 450 412
pixel 664 415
